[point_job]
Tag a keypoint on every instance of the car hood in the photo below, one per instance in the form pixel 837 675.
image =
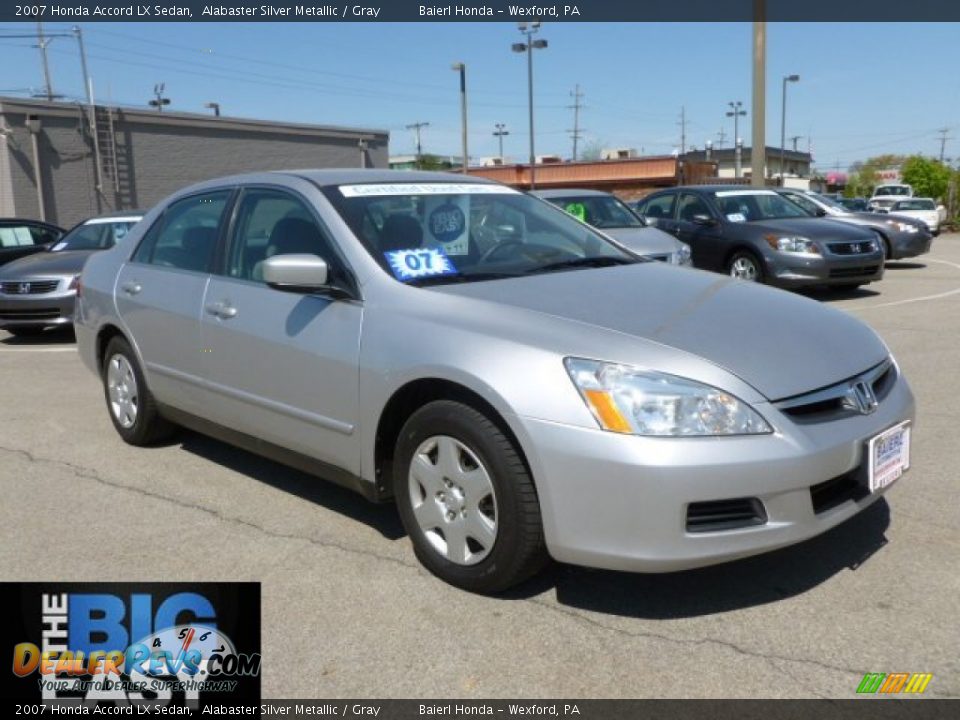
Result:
pixel 644 240
pixel 780 343
pixel 66 262
pixel 814 228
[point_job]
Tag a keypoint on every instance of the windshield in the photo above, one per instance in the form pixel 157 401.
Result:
pixel 753 205
pixel 829 202
pixel 97 234
pixel 916 205
pixel 426 233
pixel 892 190
pixel 601 211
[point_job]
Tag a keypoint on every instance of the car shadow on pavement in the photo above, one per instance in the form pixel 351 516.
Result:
pixel 56 336
pixel 381 517
pixel 904 265
pixel 826 294
pixel 744 583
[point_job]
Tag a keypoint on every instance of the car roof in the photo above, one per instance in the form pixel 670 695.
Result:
pixel 28 220
pixel 569 192
pixel 117 214
pixel 372 175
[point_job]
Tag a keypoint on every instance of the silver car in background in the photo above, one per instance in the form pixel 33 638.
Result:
pixel 528 391
pixel 614 217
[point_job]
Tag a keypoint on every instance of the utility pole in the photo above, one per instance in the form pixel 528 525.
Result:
pixel 683 130
pixel 575 133
pixel 42 43
pixel 721 138
pixel 159 100
pixel 736 111
pixel 758 142
pixel 417 127
pixel 943 141
pixel 794 139
pixel 501 130
pixel 462 69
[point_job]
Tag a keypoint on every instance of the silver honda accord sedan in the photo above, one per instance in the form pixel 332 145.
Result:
pixel 520 385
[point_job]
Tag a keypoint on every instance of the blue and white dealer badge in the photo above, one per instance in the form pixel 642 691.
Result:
pixel 419 262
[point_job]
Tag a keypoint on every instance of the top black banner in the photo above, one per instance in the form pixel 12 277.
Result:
pixel 493 11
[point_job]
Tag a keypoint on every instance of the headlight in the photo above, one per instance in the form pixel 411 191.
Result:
pixel 792 244
pixel 625 399
pixel 902 226
pixel 681 256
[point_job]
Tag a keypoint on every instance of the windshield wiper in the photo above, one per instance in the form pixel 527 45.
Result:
pixel 587 262
pixel 459 278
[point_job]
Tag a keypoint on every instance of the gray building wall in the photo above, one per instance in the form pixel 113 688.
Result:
pixel 144 155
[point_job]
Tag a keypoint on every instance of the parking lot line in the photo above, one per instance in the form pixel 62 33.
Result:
pixel 922 298
pixel 37 349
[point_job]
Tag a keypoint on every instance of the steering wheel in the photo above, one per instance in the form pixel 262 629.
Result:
pixel 500 247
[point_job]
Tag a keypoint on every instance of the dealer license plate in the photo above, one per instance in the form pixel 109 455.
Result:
pixel 889 456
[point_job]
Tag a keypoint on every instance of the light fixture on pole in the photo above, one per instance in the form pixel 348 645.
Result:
pixel 462 69
pixel 159 100
pixel 783 122
pixel 213 106
pixel 736 112
pixel 528 30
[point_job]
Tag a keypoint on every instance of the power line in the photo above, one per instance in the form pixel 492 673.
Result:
pixel 575 134
pixel 943 141
pixel 500 131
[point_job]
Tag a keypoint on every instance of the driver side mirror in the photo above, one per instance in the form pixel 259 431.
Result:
pixel 701 219
pixel 296 273
pixel 820 212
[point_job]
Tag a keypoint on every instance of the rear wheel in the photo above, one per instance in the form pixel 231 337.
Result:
pixel 466 499
pixel 25 330
pixel 132 408
pixel 744 265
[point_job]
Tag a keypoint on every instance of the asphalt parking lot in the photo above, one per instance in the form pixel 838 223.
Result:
pixel 348 611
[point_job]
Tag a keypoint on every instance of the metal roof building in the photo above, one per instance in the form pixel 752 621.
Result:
pixel 62 162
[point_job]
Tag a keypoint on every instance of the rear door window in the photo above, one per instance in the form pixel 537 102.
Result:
pixel 185 236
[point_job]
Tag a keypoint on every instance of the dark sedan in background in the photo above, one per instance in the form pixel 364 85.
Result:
pixel 901 237
pixel 756 234
pixel 39 291
pixel 19 238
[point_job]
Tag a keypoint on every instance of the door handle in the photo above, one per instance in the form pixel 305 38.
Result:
pixel 222 310
pixel 131 288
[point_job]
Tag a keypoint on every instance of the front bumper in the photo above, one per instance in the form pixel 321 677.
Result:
pixel 620 502
pixel 39 310
pixel 796 270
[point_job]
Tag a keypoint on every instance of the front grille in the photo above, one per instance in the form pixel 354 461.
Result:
pixel 859 271
pixel 31 287
pixel 831 403
pixel 30 314
pixel 851 248
pixel 717 515
pixel 836 491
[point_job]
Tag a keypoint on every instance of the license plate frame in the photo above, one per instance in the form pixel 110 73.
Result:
pixel 889 456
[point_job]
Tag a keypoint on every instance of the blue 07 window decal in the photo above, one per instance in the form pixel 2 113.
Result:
pixel 419 262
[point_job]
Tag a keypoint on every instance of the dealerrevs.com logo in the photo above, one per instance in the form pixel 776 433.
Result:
pixel 177 644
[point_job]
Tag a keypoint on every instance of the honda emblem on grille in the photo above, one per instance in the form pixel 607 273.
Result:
pixel 23 288
pixel 860 397
pixel 855 248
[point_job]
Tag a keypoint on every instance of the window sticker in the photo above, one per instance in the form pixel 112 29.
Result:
pixel 425 189
pixel 419 262
pixel 736 217
pixel 446 224
pixel 578 210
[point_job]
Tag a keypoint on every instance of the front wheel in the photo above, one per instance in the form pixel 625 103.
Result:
pixel 466 499
pixel 132 408
pixel 744 265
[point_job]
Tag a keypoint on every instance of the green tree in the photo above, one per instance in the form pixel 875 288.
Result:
pixel 865 176
pixel 929 178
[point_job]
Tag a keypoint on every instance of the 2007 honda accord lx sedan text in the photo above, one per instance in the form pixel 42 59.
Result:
pixel 521 385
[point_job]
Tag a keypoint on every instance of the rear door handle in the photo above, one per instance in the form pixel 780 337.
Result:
pixel 131 288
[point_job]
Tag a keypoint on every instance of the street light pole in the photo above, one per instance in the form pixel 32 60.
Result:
pixel 736 112
pixel 528 47
pixel 463 109
pixel 758 141
pixel 783 122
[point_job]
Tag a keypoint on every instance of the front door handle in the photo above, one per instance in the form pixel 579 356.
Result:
pixel 222 310
pixel 131 288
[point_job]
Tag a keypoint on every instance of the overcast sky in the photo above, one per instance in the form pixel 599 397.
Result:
pixel 864 89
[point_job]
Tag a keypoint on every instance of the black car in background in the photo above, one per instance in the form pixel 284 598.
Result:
pixel 755 234
pixel 19 238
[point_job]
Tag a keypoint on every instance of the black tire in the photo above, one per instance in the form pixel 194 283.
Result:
pixel 518 551
pixel 884 246
pixel 746 255
pixel 149 427
pixel 25 330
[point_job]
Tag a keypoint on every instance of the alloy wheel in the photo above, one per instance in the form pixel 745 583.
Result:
pixel 122 389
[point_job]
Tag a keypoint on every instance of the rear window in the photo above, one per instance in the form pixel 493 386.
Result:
pixel 26 235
